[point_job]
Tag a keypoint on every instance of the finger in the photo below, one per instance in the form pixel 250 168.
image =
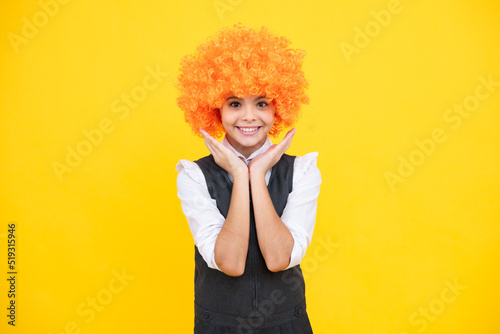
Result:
pixel 207 137
pixel 287 141
pixel 221 154
pixel 269 150
pixel 290 134
pixel 209 142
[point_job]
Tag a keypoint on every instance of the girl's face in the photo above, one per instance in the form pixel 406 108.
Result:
pixel 247 121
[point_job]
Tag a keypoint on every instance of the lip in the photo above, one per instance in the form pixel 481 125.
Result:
pixel 246 133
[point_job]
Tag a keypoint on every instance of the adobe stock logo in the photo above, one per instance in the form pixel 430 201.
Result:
pixel 31 27
pixel 455 116
pixel 121 106
pixel 222 6
pixel 324 249
pixel 430 312
pixel 97 303
pixel 364 36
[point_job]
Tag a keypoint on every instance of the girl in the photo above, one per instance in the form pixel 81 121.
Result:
pixel 251 208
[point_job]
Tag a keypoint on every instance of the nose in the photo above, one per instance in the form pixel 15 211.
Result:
pixel 249 113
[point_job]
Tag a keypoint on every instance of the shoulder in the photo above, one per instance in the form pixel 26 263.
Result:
pixel 189 171
pixel 306 165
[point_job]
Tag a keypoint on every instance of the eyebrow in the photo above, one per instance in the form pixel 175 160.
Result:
pixel 239 98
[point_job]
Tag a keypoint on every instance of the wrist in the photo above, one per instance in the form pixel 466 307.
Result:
pixel 239 170
pixel 257 176
pixel 241 175
pixel 256 172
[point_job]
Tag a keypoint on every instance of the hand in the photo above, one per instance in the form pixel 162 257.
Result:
pixel 224 157
pixel 263 162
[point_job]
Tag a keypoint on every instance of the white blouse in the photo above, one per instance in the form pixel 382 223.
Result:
pixel 205 220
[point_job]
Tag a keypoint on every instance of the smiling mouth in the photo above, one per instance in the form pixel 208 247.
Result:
pixel 249 130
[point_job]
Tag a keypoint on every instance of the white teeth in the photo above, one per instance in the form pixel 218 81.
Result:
pixel 248 129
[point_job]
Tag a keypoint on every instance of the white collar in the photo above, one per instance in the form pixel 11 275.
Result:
pixel 262 149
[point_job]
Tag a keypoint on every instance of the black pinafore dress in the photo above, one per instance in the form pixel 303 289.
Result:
pixel 259 301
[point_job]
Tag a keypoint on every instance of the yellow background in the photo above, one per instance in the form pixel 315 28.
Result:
pixel 392 250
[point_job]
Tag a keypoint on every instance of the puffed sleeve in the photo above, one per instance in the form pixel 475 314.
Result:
pixel 299 214
pixel 204 218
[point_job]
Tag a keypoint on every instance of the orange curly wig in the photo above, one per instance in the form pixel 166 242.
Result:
pixel 240 61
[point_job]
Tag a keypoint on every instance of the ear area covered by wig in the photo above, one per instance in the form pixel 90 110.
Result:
pixel 241 61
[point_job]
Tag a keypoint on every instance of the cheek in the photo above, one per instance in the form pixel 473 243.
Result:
pixel 226 125
pixel 270 119
pixel 227 121
pixel 224 117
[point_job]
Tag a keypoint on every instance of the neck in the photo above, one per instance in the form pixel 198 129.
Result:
pixel 245 151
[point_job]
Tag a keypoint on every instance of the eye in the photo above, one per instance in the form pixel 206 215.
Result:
pixel 262 104
pixel 234 104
